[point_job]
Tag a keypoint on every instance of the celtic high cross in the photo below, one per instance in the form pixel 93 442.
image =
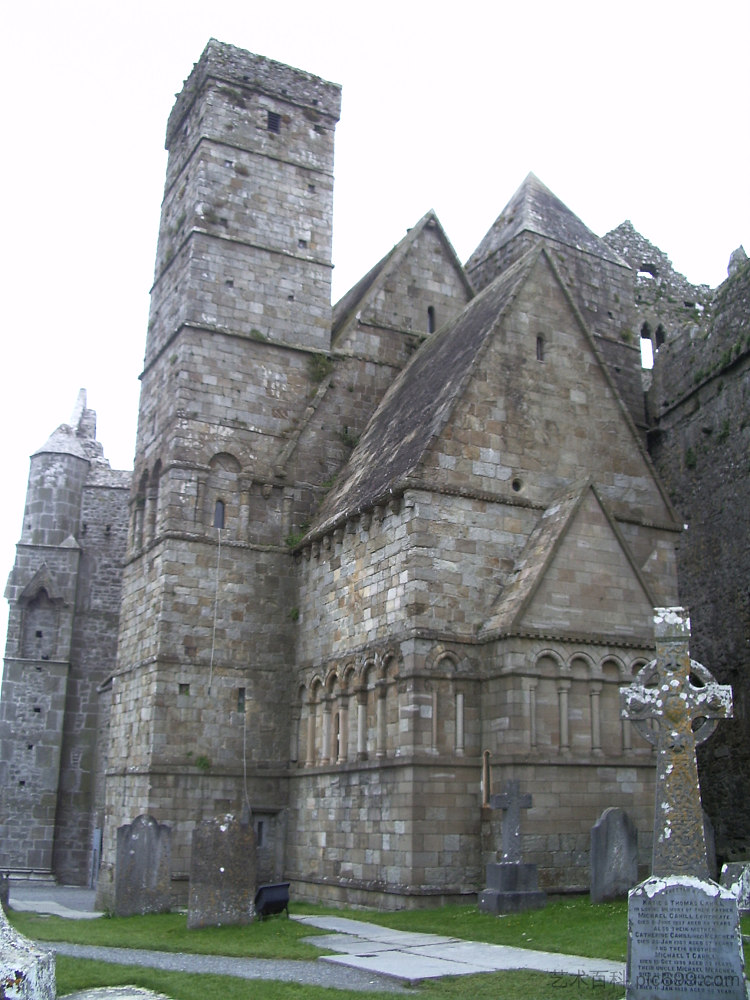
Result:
pixel 685 702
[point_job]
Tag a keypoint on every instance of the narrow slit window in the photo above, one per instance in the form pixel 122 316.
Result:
pixel 219 514
pixel 430 319
pixel 647 347
pixel 273 121
pixel 540 348
pixel 240 699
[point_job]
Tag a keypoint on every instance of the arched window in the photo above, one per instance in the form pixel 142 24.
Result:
pixel 222 503
pixel 431 326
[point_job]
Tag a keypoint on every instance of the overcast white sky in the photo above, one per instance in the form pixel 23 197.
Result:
pixel 624 109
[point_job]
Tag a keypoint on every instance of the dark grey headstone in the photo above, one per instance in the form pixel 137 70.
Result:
pixel 4 890
pixel 142 871
pixel 222 873
pixel 684 941
pixel 512 887
pixel 614 856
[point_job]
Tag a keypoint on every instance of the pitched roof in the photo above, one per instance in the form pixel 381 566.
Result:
pixel 546 542
pixel 419 403
pixel 351 302
pixel 535 209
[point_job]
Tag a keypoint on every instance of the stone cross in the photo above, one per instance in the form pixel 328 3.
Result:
pixel 685 703
pixel 511 802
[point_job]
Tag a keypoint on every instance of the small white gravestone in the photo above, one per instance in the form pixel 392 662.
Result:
pixel 26 972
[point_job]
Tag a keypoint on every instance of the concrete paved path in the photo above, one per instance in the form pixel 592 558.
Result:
pixel 411 957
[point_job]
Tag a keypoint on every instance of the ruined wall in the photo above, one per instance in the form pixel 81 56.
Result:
pixel 700 442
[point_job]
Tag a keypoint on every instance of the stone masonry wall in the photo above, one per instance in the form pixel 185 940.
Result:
pixel 103 535
pixel 700 442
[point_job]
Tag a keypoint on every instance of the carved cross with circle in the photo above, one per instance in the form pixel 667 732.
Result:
pixel 685 703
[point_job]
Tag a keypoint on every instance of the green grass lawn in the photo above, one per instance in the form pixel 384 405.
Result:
pixel 79 974
pixel 569 925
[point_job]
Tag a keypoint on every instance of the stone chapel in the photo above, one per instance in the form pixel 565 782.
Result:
pixel 360 547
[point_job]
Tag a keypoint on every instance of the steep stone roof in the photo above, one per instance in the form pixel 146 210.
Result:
pixel 535 209
pixel 350 303
pixel 419 403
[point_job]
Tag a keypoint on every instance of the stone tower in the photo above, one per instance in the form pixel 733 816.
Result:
pixel 64 594
pixel 240 323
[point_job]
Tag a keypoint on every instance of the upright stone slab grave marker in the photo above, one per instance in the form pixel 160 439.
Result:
pixel 222 873
pixel 683 929
pixel 614 856
pixel 142 870
pixel 26 971
pixel 735 876
pixel 511 885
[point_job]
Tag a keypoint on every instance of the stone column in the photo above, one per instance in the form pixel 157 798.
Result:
pixel 530 683
pixel 325 748
pixel 294 737
pixel 362 724
pixel 596 718
pixel 460 723
pixel 434 719
pixel 343 728
pixel 563 688
pixel 312 707
pixel 381 693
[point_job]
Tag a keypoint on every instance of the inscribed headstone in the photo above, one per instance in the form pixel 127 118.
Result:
pixel 614 856
pixel 684 941
pixel 142 871
pixel 222 873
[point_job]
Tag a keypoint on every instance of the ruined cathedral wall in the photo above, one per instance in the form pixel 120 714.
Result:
pixel 428 560
pixel 103 535
pixel 568 798
pixel 353 584
pixel 551 718
pixel 700 444
pixel 385 832
pixel 238 602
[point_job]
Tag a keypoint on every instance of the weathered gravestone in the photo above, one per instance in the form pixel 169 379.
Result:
pixel 512 884
pixel 26 971
pixel 683 929
pixel 735 876
pixel 222 873
pixel 614 856
pixel 142 869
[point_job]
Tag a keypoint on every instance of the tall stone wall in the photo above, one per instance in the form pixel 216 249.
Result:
pixel 64 594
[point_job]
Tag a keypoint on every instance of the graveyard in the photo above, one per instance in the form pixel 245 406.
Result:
pixel 329 771
pixel 564 925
